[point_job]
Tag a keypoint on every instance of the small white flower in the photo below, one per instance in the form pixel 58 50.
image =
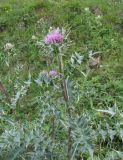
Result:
pixel 51 28
pixel 34 37
pixel 87 9
pixel 8 46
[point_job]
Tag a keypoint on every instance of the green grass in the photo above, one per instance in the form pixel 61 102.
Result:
pixel 19 21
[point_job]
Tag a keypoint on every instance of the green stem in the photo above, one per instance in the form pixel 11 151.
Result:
pixel 66 98
pixel 53 128
pixel 64 84
pixel 3 90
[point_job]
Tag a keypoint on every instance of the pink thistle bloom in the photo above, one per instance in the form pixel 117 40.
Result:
pixel 53 73
pixel 54 37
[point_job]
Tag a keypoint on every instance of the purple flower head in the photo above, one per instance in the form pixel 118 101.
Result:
pixel 53 73
pixel 54 37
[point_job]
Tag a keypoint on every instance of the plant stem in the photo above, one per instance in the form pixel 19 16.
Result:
pixel 69 143
pixel 64 84
pixel 53 128
pixel 3 90
pixel 53 116
pixel 66 98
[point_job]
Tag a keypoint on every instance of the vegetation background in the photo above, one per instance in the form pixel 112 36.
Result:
pixel 95 27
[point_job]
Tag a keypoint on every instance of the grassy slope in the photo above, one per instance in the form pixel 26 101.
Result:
pixel 56 14
pixel 104 85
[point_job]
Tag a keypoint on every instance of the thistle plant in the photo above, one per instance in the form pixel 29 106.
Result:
pixel 55 38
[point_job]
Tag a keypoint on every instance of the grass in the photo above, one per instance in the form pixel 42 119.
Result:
pixel 102 88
